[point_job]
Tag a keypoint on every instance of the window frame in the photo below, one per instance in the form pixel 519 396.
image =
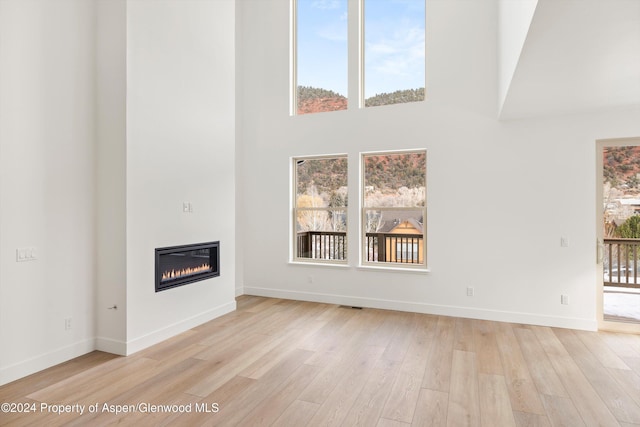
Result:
pixel 294 258
pixel 355 91
pixel 293 59
pixel 362 59
pixel 390 265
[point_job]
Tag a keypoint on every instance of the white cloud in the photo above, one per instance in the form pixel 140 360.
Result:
pixel 326 4
pixel 398 54
pixel 334 30
pixel 332 33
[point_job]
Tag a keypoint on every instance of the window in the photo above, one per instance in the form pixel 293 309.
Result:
pixel 390 51
pixel 394 51
pixel 394 208
pixel 321 55
pixel 320 209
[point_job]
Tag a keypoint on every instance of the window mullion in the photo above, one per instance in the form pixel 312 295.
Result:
pixel 356 54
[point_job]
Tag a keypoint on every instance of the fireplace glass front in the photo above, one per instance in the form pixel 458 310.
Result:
pixel 180 265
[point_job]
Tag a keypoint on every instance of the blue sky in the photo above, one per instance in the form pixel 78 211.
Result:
pixel 394 45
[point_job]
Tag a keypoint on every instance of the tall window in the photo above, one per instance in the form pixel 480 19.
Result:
pixel 392 61
pixel 394 212
pixel 320 209
pixel 321 55
pixel 394 51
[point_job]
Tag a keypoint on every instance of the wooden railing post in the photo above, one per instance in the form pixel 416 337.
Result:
pixel 304 244
pixel 382 247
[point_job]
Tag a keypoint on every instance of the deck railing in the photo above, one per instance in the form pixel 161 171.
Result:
pixel 621 260
pixel 394 247
pixel 328 245
pixel 381 247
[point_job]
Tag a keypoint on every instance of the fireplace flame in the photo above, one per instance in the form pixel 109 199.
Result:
pixel 176 274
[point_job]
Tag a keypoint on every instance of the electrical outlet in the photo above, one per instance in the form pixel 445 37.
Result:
pixel 564 242
pixel 67 323
pixel 469 291
pixel 564 299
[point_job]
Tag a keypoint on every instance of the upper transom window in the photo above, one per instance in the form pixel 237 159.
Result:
pixel 390 52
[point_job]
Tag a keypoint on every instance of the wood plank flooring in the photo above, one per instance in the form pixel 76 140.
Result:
pixel 292 363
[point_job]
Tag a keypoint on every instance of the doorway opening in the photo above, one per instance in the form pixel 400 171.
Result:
pixel 618 198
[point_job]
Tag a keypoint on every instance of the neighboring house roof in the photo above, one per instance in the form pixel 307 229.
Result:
pixel 626 202
pixel 391 224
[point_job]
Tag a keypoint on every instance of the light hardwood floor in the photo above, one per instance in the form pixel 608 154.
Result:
pixel 292 363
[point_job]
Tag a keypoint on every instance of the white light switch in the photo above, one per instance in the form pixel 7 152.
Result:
pixel 26 254
pixel 564 242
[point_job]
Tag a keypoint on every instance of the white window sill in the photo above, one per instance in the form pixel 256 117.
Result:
pixel 394 269
pixel 320 264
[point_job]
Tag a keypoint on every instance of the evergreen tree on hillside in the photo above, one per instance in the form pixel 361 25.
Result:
pixel 630 229
pixel 397 97
pixel 307 92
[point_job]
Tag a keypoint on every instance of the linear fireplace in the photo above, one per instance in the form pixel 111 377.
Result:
pixel 179 265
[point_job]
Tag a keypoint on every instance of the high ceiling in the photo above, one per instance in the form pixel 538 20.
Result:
pixel 578 56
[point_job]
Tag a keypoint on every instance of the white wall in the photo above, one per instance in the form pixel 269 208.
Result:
pixel 46 182
pixel 111 208
pixel 514 22
pixel 500 194
pixel 239 167
pixel 180 148
pixel 112 114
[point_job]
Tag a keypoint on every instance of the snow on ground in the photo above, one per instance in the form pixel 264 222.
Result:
pixel 622 304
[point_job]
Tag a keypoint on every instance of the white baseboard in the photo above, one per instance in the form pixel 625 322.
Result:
pixel 46 360
pixel 160 335
pixel 111 346
pixel 239 291
pixel 417 307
